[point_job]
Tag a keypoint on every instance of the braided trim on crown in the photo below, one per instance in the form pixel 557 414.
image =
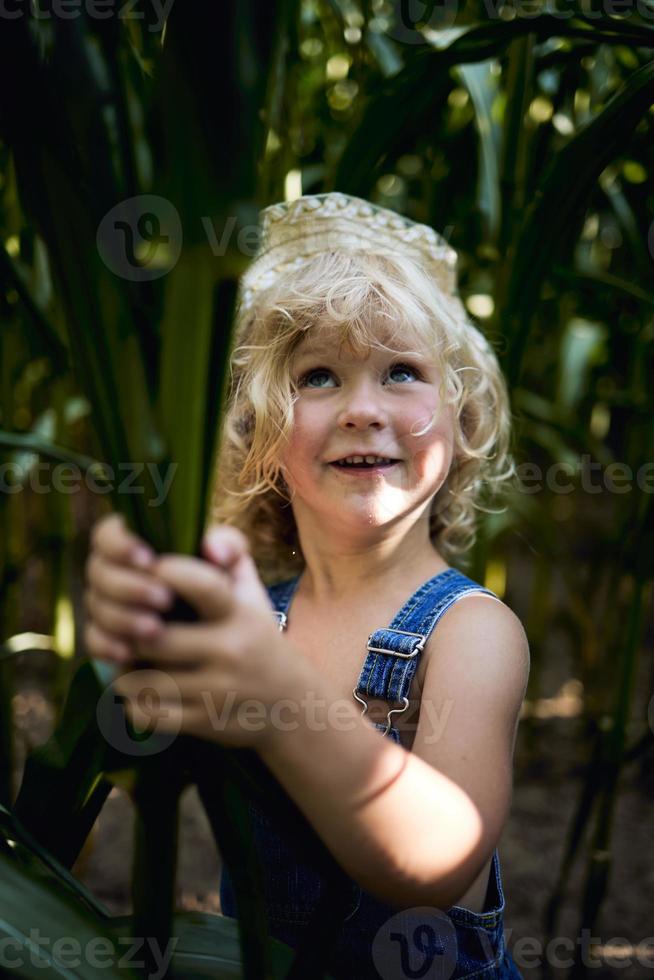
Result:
pixel 293 232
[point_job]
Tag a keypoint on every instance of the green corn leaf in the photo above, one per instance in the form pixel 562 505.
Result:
pixel 62 789
pixel 44 336
pixel 30 442
pixel 6 734
pixel 520 82
pixel 207 945
pixel 34 856
pixel 483 89
pixel 557 202
pixel 405 103
pixel 46 933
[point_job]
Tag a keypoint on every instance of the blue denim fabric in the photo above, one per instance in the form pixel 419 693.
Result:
pixel 456 942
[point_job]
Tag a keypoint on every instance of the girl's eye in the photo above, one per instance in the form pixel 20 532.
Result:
pixel 317 372
pixel 404 369
pixel 321 373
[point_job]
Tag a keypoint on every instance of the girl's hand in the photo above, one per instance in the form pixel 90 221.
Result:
pixel 122 598
pixel 219 678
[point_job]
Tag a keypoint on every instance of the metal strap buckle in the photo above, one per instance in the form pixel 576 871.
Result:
pixel 392 653
pixel 281 619
pixel 392 711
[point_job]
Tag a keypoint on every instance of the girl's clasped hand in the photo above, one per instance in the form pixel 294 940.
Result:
pixel 201 672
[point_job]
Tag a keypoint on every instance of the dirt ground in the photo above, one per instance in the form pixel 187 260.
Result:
pixel 549 768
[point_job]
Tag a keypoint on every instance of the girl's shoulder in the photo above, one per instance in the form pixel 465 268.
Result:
pixel 450 583
pixel 419 611
pixel 478 632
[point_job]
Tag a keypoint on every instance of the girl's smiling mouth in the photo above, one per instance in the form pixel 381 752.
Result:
pixel 359 467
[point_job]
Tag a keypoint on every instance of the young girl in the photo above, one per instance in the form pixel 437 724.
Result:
pixel 365 417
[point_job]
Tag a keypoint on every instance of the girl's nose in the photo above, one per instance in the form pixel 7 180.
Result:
pixel 362 407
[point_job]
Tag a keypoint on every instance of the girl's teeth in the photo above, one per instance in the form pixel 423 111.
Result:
pixel 368 460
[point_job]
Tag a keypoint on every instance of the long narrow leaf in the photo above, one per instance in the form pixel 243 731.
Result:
pixel 402 104
pixel 482 87
pixel 557 203
pixel 46 934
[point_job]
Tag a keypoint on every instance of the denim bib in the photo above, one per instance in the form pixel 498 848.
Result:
pixel 373 940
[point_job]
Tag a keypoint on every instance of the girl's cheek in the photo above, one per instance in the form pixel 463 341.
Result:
pixel 433 459
pixel 424 465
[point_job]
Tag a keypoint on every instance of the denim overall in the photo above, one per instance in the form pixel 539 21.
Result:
pixel 372 940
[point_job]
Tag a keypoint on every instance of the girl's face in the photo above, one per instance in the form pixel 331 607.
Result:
pixel 365 405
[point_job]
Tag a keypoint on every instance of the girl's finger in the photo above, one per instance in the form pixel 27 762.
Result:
pixel 152 699
pixel 224 545
pixel 120 584
pixel 182 646
pixel 104 646
pixel 111 536
pixel 229 548
pixel 116 617
pixel 203 586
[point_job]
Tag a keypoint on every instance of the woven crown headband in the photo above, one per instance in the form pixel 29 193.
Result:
pixel 292 232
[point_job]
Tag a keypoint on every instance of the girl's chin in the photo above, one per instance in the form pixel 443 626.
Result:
pixel 367 516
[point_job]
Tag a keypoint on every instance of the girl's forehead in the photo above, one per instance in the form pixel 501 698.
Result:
pixel 334 342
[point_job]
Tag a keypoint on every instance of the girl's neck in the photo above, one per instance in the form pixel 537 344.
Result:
pixel 337 578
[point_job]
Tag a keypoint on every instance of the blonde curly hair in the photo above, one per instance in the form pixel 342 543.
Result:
pixel 345 293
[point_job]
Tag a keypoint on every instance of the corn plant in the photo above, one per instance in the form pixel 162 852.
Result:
pixel 129 308
pixel 523 139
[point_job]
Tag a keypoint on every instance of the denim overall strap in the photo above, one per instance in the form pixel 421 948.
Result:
pixel 280 596
pixel 313 861
pixel 394 651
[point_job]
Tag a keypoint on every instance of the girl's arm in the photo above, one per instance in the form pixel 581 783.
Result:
pixel 414 828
